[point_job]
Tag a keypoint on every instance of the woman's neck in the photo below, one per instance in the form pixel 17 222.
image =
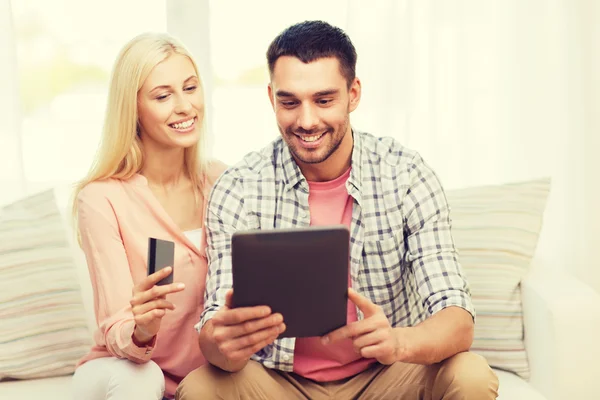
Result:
pixel 165 169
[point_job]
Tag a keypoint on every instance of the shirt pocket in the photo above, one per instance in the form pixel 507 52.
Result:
pixel 382 268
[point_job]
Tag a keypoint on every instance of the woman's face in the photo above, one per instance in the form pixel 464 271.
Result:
pixel 171 105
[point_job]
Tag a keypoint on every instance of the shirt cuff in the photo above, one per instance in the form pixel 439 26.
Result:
pixel 453 298
pixel 206 316
pixel 133 351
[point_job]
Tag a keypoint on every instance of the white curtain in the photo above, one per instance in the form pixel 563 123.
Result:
pixel 488 91
pixel 12 180
pixel 492 92
pixel 189 20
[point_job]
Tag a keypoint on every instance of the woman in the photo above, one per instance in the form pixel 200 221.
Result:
pixel 149 179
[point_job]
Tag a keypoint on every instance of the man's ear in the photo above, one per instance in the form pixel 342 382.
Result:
pixel 354 94
pixel 271 98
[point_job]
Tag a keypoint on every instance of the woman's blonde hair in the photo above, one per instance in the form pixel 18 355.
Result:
pixel 120 154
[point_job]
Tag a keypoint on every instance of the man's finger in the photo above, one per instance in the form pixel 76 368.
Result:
pixel 365 305
pixel 240 315
pixel 229 298
pixel 252 339
pixel 254 325
pixel 245 353
pixel 349 331
pixel 374 351
pixel 369 339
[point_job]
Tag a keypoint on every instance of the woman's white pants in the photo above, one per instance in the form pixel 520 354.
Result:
pixel 110 378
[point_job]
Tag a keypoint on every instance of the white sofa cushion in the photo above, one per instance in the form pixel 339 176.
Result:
pixel 513 387
pixel 496 230
pixel 58 388
pixel 44 330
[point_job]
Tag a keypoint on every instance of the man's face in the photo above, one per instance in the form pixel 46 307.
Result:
pixel 312 104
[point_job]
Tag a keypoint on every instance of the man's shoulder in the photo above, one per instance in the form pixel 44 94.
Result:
pixel 387 150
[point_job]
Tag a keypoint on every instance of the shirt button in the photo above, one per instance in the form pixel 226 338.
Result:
pixel 286 357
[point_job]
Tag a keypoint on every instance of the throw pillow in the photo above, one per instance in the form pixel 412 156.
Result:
pixel 496 230
pixel 43 331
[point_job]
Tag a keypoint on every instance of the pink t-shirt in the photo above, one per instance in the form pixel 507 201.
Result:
pixel 330 204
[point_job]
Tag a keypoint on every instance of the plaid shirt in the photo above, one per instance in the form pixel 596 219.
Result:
pixel 402 254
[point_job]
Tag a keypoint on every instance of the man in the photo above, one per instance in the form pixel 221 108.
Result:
pixel 410 317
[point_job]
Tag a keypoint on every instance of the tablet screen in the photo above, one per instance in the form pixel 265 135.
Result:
pixel 301 273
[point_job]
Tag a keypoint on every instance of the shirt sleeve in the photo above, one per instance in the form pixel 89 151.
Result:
pixel 110 276
pixel 225 214
pixel 430 247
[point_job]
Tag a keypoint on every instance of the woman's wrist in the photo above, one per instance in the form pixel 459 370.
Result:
pixel 140 338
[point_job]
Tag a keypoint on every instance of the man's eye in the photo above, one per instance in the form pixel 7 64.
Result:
pixel 324 101
pixel 288 103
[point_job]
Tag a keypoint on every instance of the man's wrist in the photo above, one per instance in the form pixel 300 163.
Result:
pixel 407 344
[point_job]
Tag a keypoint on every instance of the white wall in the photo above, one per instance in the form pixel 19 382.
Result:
pixel 12 184
pixel 491 92
pixel 589 12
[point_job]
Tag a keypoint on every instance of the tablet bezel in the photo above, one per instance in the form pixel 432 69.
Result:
pixel 301 273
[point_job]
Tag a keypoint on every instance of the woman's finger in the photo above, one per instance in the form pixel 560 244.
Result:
pixel 149 317
pixel 152 305
pixel 151 280
pixel 155 292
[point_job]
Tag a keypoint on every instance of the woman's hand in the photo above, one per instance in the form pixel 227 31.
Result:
pixel 149 305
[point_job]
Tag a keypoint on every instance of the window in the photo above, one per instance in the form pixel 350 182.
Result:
pixel 65 51
pixel 242 116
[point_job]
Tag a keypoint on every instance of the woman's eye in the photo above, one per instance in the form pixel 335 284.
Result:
pixel 162 97
pixel 190 88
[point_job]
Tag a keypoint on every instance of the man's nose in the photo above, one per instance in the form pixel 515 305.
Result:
pixel 307 119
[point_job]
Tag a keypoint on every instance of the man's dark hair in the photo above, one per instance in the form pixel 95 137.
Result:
pixel 311 40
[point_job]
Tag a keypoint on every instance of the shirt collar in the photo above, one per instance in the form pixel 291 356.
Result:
pixel 355 179
pixel 291 171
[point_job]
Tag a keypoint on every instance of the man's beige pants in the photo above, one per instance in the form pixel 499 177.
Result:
pixel 463 376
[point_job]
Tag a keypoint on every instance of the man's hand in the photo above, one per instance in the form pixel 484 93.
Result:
pixel 373 337
pixel 238 333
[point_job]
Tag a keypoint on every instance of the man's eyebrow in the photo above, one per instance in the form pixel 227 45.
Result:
pixel 283 93
pixel 327 92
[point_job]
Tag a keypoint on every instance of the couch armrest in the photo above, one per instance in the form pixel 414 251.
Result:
pixel 562 335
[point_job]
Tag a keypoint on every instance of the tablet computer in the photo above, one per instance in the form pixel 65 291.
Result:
pixel 301 273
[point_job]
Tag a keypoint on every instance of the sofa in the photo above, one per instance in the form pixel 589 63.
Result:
pixel 561 332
